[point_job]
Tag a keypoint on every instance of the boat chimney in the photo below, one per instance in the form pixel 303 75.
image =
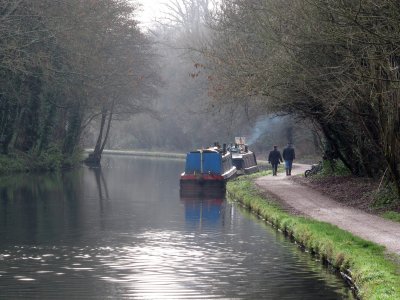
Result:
pixel 246 148
pixel 224 148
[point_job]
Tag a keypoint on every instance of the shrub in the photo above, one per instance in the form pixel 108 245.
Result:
pixel 385 197
pixel 334 168
pixel 392 215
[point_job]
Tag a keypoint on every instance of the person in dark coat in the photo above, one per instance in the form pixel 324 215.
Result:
pixel 274 158
pixel 288 155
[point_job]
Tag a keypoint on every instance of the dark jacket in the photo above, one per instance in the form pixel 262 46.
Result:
pixel 288 153
pixel 274 157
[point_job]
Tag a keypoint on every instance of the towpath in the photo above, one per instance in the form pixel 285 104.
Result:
pixel 320 207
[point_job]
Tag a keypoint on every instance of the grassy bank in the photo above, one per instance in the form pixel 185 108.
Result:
pixel 52 160
pixel 375 274
pixel 391 215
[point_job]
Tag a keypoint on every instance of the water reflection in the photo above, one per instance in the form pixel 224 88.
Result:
pixel 123 232
pixel 28 211
pixel 101 184
pixel 203 211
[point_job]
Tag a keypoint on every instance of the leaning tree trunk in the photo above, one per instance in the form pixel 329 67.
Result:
pixel 108 128
pixel 94 158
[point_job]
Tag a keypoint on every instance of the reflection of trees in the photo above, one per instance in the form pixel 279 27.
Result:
pixel 36 207
pixel 4 206
pixel 101 185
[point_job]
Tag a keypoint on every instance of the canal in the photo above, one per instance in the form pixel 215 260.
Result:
pixel 123 232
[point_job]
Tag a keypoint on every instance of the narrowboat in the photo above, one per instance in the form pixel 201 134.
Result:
pixel 206 171
pixel 243 159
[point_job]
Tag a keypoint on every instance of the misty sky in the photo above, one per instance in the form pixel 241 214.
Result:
pixel 150 10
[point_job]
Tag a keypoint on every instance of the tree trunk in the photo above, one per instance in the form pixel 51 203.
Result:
pixel 108 127
pixel 95 157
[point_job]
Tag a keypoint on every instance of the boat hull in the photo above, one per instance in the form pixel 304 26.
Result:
pixel 245 163
pixel 205 184
pixel 202 188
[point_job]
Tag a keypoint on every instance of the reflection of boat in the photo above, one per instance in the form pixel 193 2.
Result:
pixel 206 171
pixel 243 159
pixel 202 210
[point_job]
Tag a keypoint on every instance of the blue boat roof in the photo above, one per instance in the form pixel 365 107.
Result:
pixel 204 161
pixel 208 150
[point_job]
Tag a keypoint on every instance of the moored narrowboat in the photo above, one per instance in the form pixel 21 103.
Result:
pixel 243 159
pixel 206 171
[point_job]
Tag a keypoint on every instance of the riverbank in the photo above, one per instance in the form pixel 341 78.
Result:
pixel 143 153
pixel 373 271
pixel 52 160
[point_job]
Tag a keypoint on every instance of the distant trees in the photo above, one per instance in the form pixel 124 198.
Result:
pixel 334 63
pixel 188 116
pixel 188 119
pixel 64 64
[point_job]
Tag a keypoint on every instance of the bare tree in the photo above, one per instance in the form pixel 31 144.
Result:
pixel 64 64
pixel 334 63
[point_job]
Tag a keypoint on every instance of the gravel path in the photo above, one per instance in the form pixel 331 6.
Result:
pixel 320 207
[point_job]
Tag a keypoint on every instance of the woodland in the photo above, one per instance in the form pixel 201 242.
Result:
pixel 64 64
pixel 332 63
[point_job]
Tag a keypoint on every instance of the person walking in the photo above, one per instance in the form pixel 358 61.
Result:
pixel 288 155
pixel 274 158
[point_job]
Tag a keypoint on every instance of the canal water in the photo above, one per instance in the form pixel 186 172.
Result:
pixel 123 232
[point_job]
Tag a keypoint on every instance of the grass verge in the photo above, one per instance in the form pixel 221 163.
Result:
pixel 392 215
pixel 373 272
